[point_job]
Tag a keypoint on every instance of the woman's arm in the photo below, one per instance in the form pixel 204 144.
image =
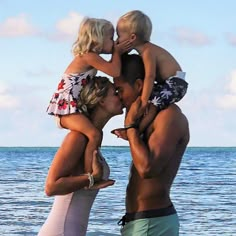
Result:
pixel 68 157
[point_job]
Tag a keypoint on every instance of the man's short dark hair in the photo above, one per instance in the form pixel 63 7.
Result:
pixel 132 68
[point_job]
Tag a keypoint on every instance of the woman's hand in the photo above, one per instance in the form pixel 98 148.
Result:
pixel 97 167
pixel 97 173
pixel 120 133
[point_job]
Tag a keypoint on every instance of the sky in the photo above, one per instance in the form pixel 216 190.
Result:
pixel 35 48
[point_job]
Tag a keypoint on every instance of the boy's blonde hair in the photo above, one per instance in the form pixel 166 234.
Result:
pixel 91 35
pixel 136 22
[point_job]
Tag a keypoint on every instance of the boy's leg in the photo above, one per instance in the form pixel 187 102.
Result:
pixel 170 91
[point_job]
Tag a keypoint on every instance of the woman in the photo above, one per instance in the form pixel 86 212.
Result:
pixel 75 190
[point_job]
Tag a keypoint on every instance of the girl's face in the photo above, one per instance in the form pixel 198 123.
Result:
pixel 108 42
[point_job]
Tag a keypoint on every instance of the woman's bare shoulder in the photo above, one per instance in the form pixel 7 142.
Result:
pixel 74 138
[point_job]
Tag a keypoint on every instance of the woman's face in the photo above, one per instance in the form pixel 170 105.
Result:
pixel 112 102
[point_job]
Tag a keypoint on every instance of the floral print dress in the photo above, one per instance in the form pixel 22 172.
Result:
pixel 64 100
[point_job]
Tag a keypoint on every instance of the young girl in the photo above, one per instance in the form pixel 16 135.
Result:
pixel 95 37
pixel 164 82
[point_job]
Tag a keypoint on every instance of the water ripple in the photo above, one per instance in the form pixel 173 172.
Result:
pixel 204 192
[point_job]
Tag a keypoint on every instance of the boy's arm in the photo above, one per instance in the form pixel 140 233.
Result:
pixel 149 62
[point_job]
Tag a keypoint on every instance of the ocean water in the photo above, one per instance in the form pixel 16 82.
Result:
pixel 204 191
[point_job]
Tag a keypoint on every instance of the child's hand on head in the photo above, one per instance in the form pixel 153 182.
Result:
pixel 123 47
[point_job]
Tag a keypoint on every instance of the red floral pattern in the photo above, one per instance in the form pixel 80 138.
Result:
pixel 64 100
pixel 61 84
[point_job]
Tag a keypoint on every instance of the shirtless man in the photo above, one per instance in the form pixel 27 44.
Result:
pixel 156 157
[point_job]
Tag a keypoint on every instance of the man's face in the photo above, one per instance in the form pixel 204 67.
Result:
pixel 126 92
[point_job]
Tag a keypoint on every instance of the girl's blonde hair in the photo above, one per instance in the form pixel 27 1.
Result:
pixel 91 35
pixel 136 22
pixel 92 93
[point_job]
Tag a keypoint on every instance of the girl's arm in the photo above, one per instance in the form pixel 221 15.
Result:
pixel 66 162
pixel 112 67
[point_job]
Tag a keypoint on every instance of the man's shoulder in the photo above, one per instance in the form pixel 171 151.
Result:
pixel 171 109
pixel 172 113
pixel 170 122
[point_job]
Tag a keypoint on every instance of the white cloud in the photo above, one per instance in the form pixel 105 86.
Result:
pixel 189 36
pixel 16 26
pixel 7 101
pixel 70 25
pixel 232 83
pixel 228 100
pixel 231 39
pixel 67 28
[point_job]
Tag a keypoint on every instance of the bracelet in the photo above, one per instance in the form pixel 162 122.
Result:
pixel 91 180
pixel 134 125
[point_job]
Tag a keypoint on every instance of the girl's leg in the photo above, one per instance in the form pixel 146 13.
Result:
pixel 80 123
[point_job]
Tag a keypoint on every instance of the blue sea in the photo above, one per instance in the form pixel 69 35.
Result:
pixel 204 191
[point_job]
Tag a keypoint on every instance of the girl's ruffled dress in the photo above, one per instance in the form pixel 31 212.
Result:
pixel 64 100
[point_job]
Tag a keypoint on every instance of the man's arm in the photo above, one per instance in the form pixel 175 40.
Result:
pixel 151 158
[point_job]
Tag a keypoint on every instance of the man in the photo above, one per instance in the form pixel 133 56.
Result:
pixel 156 157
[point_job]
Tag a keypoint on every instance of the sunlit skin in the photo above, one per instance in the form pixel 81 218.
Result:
pixel 157 156
pixel 65 172
pixel 159 64
pixel 84 62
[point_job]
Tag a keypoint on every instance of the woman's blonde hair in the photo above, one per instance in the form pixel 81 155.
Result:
pixel 92 93
pixel 136 22
pixel 91 35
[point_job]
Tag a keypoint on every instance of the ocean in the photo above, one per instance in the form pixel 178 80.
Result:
pixel 204 191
